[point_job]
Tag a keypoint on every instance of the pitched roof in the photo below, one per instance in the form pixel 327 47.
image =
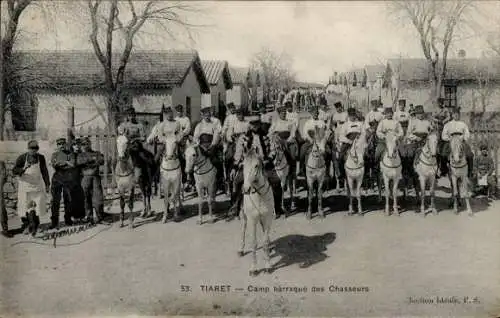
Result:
pixel 238 74
pixel 82 69
pixel 373 71
pixel 309 85
pixel 214 70
pixel 457 69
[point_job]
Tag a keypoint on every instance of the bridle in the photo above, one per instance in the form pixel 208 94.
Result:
pixel 171 158
pixel 353 154
pixel 125 159
pixel 316 154
pixel 460 154
pixel 200 162
pixel 277 154
pixel 425 153
pixel 391 156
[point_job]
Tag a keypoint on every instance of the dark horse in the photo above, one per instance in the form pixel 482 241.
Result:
pixel 372 174
pixel 135 165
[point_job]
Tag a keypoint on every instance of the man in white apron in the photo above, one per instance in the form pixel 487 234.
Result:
pixel 33 181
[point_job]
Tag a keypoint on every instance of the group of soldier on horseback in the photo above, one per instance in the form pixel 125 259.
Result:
pixel 332 134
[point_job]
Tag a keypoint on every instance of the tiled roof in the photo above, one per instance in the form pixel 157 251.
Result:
pixel 309 85
pixel 81 69
pixel 214 70
pixel 238 74
pixel 458 69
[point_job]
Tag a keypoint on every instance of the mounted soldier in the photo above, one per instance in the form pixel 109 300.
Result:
pixel 286 129
pixel 388 124
pixel 440 118
pixel 374 116
pixel 340 116
pixel 254 137
pixel 418 130
pixel 457 127
pixel 169 127
pixel 266 118
pixel 402 116
pixel 229 120
pixel 235 130
pixel 309 130
pixel 185 124
pixel 208 134
pixel 351 129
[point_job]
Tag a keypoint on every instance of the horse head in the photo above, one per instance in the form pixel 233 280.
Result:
pixel 191 153
pixel 357 148
pixel 457 148
pixel 319 142
pixel 276 146
pixel 391 142
pixel 171 146
pixel 431 144
pixel 252 169
pixel 121 147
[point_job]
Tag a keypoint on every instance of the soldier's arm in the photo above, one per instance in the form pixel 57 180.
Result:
pixel 153 134
pixel 56 161
pixel 445 135
pixel 18 169
pixel 217 133
pixel 380 130
pixel 196 134
pixel 399 130
pixel 466 132
pixel 187 128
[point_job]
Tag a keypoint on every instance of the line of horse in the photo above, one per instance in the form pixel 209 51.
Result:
pixel 258 201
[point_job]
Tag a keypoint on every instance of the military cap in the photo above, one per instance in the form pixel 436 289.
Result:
pixel 337 104
pixel 280 108
pixel 388 110
pixel 288 104
pixel 179 107
pixel 483 146
pixel 167 109
pixel 85 141
pixel 238 110
pixel 402 102
pixel 205 108
pixel 76 141
pixel 33 144
pixel 61 141
pixel 231 105
pixel 419 109
pixel 374 102
pixel 455 110
pixel 351 112
pixel 131 111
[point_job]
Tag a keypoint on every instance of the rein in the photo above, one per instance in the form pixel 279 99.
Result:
pixel 202 163
pixel 125 160
pixel 279 158
pixel 395 157
pixel 425 155
pixel 170 159
pixel 354 156
pixel 462 157
pixel 313 151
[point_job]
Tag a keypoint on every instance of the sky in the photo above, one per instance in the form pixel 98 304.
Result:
pixel 321 37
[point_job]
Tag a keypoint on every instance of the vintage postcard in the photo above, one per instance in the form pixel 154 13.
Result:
pixel 249 158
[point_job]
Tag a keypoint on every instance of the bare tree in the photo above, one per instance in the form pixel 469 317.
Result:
pixel 436 23
pixel 276 69
pixel 128 18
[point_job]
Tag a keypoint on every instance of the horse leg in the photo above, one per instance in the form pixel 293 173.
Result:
pixel 283 186
pixel 320 198
pixel 291 185
pixel 199 192
pixel 166 195
pixel 349 189
pixel 432 187
pixel 122 209
pixel 266 222
pixel 210 200
pixel 358 195
pixel 422 195
pixel 386 184
pixel 454 186
pixel 309 199
pixel 241 252
pixel 253 229
pixel 465 188
pixel 131 208
pixel 395 196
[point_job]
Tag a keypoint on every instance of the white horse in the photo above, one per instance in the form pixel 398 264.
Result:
pixel 204 177
pixel 391 169
pixel 458 172
pixel 258 207
pixel 426 166
pixel 283 169
pixel 355 171
pixel 315 172
pixel 171 176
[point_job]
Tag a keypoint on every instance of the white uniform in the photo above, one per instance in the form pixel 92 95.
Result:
pixel 31 187
pixel 387 125
pixel 211 127
pixel 401 116
pixel 350 127
pixel 238 127
pixel 373 116
pixel 340 118
pixel 310 126
pixel 418 126
pixel 455 126
pixel 228 123
pixel 164 129
pixel 280 125
pixel 185 125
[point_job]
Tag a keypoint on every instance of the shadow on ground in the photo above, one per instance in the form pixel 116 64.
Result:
pixel 300 249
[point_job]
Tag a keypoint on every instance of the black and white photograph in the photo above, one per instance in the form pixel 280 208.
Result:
pixel 249 158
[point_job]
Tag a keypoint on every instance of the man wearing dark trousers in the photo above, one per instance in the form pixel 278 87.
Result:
pixel 90 161
pixel 66 180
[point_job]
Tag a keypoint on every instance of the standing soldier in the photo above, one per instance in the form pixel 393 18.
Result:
pixel 453 127
pixel 388 124
pixel 207 134
pixel 90 161
pixel 402 116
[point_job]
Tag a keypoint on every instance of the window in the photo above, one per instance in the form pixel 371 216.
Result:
pixel 450 96
pixel 188 107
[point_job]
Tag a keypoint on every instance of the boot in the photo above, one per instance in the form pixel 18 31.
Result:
pixel 25 224
pixel 36 224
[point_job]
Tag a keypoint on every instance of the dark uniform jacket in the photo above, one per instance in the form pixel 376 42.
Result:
pixel 89 162
pixel 63 172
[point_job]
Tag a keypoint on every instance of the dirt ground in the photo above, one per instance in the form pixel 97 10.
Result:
pixel 157 269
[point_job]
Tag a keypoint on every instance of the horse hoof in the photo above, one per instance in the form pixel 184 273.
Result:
pixel 268 270
pixel 471 213
pixel 211 221
pixel 199 222
pixel 253 273
pixel 241 253
pixel 456 212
